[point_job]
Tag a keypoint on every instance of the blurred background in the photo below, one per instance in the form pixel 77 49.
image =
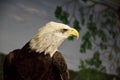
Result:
pixel 94 56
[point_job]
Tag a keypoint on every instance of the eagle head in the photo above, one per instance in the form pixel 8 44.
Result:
pixel 50 36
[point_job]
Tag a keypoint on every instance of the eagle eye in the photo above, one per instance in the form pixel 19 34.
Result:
pixel 64 30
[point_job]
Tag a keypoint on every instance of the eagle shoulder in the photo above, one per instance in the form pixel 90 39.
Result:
pixel 60 63
pixel 8 68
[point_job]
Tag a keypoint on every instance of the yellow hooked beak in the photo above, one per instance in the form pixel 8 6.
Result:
pixel 74 32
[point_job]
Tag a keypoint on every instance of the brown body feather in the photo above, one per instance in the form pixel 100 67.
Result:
pixel 26 64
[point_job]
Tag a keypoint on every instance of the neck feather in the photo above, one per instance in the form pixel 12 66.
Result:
pixel 47 43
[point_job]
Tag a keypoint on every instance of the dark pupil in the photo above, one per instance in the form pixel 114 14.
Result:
pixel 64 30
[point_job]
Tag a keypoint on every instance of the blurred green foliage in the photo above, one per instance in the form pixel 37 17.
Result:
pixel 62 15
pixel 92 74
pixel 93 64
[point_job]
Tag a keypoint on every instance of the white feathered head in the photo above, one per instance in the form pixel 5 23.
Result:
pixel 50 36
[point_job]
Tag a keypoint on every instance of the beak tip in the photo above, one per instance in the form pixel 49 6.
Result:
pixel 75 33
pixel 77 37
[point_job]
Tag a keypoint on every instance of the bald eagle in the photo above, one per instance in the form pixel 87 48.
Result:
pixel 40 59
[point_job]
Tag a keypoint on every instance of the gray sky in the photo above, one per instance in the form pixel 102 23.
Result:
pixel 20 20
